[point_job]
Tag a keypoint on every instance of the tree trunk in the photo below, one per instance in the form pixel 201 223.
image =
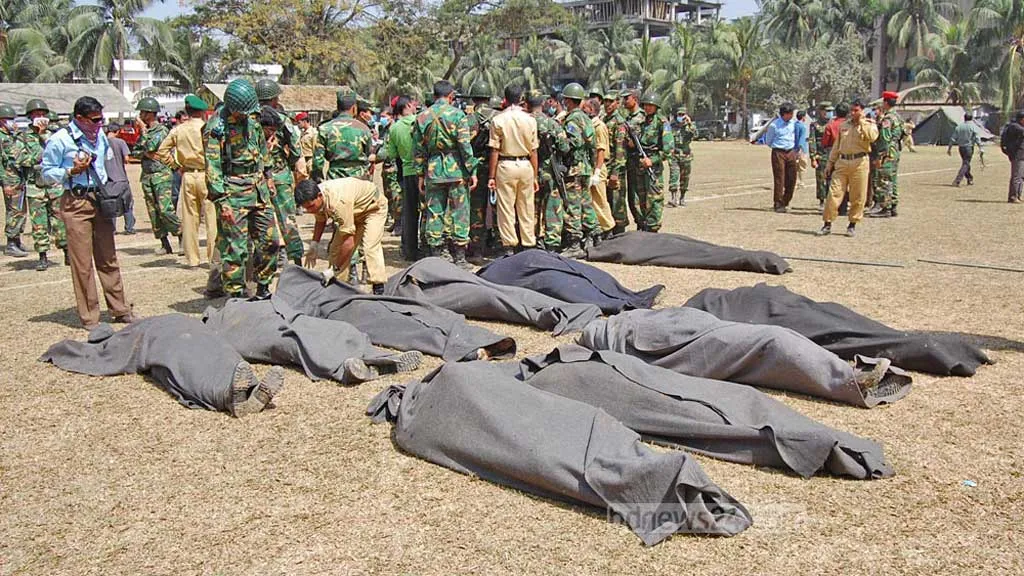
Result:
pixel 456 58
pixel 120 67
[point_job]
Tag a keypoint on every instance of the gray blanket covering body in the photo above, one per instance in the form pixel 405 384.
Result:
pixel 272 332
pixel 675 251
pixel 721 419
pixel 186 358
pixel 446 285
pixel 696 343
pixel 475 419
pixel 391 321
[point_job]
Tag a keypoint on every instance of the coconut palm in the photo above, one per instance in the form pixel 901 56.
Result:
pixel 646 57
pixel 999 38
pixel 189 58
pixel 611 58
pixel 25 56
pixel 680 79
pixel 734 56
pixel 949 71
pixel 102 32
pixel 482 63
pixel 912 21
pixel 532 66
pixel 794 23
pixel 573 51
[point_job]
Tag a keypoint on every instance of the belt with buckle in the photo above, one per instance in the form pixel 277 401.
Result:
pixel 852 156
pixel 513 158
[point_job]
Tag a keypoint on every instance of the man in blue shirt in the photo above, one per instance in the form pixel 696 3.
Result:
pixel 782 138
pixel 75 159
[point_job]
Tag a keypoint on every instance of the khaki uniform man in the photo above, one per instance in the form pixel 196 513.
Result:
pixel 513 170
pixel 848 166
pixel 599 180
pixel 308 139
pixel 183 150
pixel 359 212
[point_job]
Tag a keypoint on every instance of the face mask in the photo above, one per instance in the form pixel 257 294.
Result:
pixel 550 111
pixel 384 121
pixel 830 115
pixel 89 129
pixel 680 119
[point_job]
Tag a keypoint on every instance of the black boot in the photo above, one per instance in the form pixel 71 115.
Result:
pixel 43 263
pixel 460 258
pixel 574 249
pixel 165 245
pixel 14 250
pixel 378 289
pixel 262 292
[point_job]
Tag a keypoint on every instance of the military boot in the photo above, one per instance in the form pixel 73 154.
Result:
pixel 574 249
pixel 444 254
pixel 14 250
pixel 43 263
pixel 880 213
pixel 671 202
pixel 165 247
pixel 459 258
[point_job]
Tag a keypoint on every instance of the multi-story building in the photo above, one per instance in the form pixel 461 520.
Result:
pixel 651 18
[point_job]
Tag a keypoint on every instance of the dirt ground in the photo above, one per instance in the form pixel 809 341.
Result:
pixel 113 476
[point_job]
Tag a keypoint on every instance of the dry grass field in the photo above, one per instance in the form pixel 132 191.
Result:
pixel 113 476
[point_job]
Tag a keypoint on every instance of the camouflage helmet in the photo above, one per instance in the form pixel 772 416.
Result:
pixel 495 102
pixel 7 112
pixel 267 89
pixel 597 93
pixel 240 96
pixel 651 98
pixel 574 91
pixel 480 90
pixel 53 117
pixel 148 105
pixel 681 110
pixel 36 104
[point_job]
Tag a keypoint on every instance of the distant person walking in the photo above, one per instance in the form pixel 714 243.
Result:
pixel 1012 144
pixel 965 138
pixel 781 137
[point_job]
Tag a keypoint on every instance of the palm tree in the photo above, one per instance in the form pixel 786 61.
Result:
pixel 532 66
pixel 190 59
pixel 573 51
pixel 101 32
pixel 482 62
pixel 794 23
pixel 612 58
pixel 999 34
pixel 679 79
pixel 950 70
pixel 645 58
pixel 733 56
pixel 25 56
pixel 911 22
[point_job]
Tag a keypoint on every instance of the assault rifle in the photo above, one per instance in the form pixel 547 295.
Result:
pixel 635 139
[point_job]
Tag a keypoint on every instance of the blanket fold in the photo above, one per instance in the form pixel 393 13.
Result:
pixel 675 251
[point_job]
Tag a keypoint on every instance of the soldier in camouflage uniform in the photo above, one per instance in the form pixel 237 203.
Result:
pixel 156 176
pixel 447 171
pixel 885 157
pixel 479 131
pixel 236 164
pixel 615 119
pixel 635 119
pixel 13 183
pixel 389 176
pixel 580 219
pixel 680 159
pixel 43 197
pixel 548 201
pixel 656 139
pixel 345 144
pixel 819 152
pixel 285 154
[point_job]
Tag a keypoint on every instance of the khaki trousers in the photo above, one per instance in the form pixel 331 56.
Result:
pixel 194 204
pixel 369 234
pixel 849 175
pixel 515 180
pixel 91 250
pixel 599 198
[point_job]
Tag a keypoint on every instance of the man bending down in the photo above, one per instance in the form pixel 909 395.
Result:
pixel 359 212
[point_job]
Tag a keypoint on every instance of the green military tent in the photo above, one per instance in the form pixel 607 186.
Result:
pixel 937 127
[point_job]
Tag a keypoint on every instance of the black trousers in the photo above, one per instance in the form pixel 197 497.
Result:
pixel 410 217
pixel 966 154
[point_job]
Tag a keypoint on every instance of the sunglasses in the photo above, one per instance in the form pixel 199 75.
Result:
pixel 94 119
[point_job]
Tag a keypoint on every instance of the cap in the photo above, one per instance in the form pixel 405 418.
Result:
pixel 301 116
pixel 195 103
pixel 889 95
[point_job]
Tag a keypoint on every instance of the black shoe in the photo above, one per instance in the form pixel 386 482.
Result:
pixel 883 213
pixel 851 230
pixel 825 230
pixel 43 263
pixel 262 292
pixel 165 245
pixel 892 212
pixel 508 251
pixel 459 258
pixel 378 289
pixel 14 250
pixel 781 209
pixel 67 259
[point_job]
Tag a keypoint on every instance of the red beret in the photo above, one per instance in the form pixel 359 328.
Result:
pixel 888 95
pixel 301 116
pixel 394 101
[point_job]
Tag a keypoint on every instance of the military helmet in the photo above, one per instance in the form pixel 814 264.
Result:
pixel 597 93
pixel 611 95
pixel 681 110
pixel 495 102
pixel 7 111
pixel 148 105
pixel 574 91
pixel 36 104
pixel 240 96
pixel 480 90
pixel 650 97
pixel 267 89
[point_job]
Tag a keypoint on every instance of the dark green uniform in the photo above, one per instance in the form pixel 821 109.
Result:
pixel 580 219
pixel 886 151
pixel 43 198
pixel 634 121
pixel 444 157
pixel 284 153
pixel 656 138
pixel 236 160
pixel 156 183
pixel 479 131
pixel 548 203
pixel 13 184
pixel 681 159
pixel 344 146
pixel 819 153
pixel 617 166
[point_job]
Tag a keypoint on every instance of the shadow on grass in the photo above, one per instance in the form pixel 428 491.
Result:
pixel 27 263
pixel 196 305
pixel 162 263
pixel 798 231
pixel 981 201
pixel 66 317
pixel 980 340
